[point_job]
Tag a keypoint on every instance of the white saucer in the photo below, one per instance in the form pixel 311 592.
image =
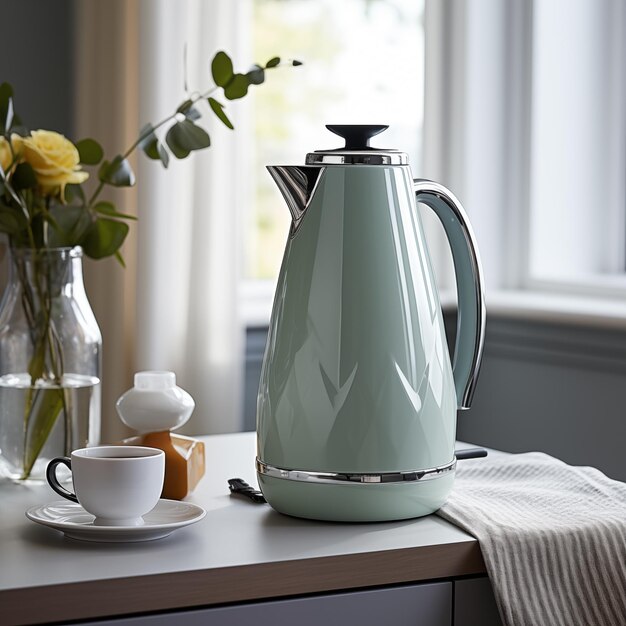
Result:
pixel 76 523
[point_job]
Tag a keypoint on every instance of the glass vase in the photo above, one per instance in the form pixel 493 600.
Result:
pixel 50 362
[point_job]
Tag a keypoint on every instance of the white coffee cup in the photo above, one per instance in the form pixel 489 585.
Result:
pixel 117 484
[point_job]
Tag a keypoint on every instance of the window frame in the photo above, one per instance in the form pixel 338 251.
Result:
pixel 483 52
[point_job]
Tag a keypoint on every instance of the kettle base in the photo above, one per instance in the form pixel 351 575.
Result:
pixel 355 503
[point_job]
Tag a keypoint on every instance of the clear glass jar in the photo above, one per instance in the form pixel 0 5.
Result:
pixel 50 362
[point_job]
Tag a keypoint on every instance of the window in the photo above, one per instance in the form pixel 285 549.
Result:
pixel 526 125
pixel 577 227
pixel 525 112
pixel 363 63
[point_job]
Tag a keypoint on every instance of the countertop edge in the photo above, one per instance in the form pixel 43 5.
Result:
pixel 245 583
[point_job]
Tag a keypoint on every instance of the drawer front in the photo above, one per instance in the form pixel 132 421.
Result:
pixel 417 605
pixel 474 603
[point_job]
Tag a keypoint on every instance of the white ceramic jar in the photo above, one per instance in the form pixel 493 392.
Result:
pixel 155 403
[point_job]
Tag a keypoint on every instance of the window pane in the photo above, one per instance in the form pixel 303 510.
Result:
pixel 363 64
pixel 577 141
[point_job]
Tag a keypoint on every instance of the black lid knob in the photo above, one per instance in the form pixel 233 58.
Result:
pixel 357 136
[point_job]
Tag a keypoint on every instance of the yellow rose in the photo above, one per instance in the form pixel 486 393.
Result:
pixel 17 143
pixel 10 151
pixel 6 157
pixel 54 159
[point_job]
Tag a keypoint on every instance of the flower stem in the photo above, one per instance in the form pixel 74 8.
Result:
pixel 43 403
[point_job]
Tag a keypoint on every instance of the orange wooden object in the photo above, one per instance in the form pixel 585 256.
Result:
pixel 184 461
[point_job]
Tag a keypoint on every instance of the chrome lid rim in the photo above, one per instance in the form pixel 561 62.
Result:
pixel 357 158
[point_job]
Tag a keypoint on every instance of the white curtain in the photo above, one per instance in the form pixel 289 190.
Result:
pixel 183 266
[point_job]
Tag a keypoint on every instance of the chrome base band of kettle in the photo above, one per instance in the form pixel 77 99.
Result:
pixel 349 478
pixel 356 497
pixel 357 384
pixel 350 502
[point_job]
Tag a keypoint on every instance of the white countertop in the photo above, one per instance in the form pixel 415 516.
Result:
pixel 235 537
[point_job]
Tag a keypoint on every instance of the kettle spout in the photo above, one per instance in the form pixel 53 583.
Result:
pixel 297 183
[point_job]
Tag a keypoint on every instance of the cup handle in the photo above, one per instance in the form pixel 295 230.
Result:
pixel 51 476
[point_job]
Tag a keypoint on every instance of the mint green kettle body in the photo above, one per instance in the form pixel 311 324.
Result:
pixel 356 412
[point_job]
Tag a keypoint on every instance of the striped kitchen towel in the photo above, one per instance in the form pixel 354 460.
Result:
pixel 553 538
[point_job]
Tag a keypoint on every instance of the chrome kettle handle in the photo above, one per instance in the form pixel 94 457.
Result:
pixel 470 331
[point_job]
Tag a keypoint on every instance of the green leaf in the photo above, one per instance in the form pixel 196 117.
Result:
pixel 237 87
pixel 151 150
pixel 90 151
pixel 296 63
pixel 189 111
pixel 6 107
pixel 12 220
pixel 163 154
pixel 120 259
pixel 117 173
pixel 104 237
pixel 9 187
pixel 193 114
pixel 49 218
pixel 43 407
pixel 222 69
pixel 185 106
pixel 24 177
pixel 36 364
pixel 151 146
pixel 18 127
pixel 148 142
pixel 218 109
pixel 273 62
pixel 177 149
pixel 6 92
pixel 73 192
pixel 8 115
pixel 185 136
pixel 256 75
pixel 70 223
pixel 104 207
pixel 9 222
pixel 108 208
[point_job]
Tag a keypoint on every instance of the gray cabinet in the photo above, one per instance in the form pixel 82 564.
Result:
pixel 474 603
pixel 428 604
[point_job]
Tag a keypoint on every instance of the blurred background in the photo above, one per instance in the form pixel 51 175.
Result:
pixel 517 106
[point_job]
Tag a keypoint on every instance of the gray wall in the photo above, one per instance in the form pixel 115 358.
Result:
pixel 38 60
pixel 555 388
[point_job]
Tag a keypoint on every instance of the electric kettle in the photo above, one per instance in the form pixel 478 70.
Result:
pixel 356 411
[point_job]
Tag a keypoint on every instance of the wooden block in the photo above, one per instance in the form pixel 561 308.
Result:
pixel 184 461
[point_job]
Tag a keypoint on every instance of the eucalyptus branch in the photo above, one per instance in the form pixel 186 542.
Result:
pixel 190 136
pixel 70 218
pixel 192 100
pixel 146 135
pixel 129 151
